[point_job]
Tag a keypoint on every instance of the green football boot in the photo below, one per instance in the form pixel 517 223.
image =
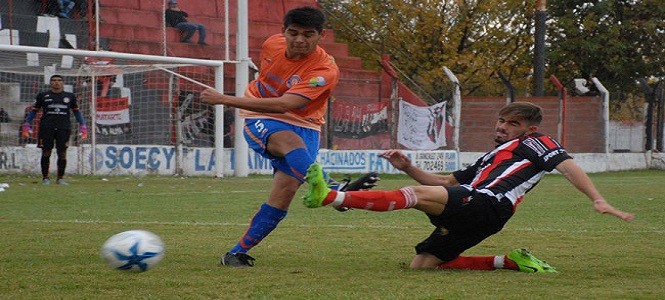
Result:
pixel 317 189
pixel 529 263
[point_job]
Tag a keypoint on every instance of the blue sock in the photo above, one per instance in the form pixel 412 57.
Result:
pixel 299 161
pixel 263 222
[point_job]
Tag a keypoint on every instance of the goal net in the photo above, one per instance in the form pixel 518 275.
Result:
pixel 133 104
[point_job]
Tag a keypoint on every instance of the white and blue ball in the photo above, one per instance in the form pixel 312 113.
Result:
pixel 133 250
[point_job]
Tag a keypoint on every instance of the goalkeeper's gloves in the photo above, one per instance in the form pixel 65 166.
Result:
pixel 83 131
pixel 26 130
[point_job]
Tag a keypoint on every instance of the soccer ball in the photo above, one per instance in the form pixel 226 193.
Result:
pixel 133 250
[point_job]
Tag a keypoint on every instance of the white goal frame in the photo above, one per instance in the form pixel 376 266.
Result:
pixel 240 149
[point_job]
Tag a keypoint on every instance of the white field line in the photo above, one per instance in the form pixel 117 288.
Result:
pixel 185 223
pixel 189 193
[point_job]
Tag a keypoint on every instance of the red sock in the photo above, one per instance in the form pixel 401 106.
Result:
pixel 508 264
pixel 377 200
pixel 479 263
pixel 330 197
pixel 470 263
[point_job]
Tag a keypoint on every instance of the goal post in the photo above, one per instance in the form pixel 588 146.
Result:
pixel 144 103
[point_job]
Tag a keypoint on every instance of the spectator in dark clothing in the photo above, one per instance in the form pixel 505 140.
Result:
pixel 4 116
pixel 66 7
pixel 178 19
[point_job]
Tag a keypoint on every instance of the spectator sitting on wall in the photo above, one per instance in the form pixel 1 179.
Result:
pixel 64 7
pixel 177 18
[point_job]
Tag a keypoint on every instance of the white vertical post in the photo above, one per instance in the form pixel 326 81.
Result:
pixel 227 54
pixel 97 11
pixel 93 121
pixel 606 110
pixel 457 109
pixel 242 78
pixel 163 18
pixel 219 125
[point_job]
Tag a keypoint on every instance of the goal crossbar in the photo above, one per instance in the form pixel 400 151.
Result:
pixel 117 55
pixel 163 63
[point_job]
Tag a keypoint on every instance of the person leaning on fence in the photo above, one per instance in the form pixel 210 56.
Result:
pixel 177 18
pixel 472 204
pixel 54 126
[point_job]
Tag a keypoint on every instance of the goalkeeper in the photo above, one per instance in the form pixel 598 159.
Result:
pixel 284 109
pixel 54 126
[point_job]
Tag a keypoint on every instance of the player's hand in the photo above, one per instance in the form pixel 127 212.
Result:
pixel 397 158
pixel 210 96
pixel 603 207
pixel 83 132
pixel 26 130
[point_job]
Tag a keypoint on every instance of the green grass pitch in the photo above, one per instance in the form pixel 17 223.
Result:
pixel 51 236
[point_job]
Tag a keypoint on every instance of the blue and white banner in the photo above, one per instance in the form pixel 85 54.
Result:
pixel 363 161
pixel 200 161
pixel 422 128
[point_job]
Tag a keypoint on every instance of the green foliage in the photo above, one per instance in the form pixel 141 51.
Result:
pixel 615 41
pixel 475 39
pixel 51 237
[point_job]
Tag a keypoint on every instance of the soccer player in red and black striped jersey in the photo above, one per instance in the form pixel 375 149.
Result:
pixel 474 203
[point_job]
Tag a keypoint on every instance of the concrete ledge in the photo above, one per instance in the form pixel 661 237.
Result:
pixel 162 160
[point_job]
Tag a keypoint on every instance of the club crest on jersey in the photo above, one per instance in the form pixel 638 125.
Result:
pixel 317 81
pixel 66 100
pixel 293 80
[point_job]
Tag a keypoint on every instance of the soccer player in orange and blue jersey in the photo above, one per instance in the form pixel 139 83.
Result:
pixel 284 109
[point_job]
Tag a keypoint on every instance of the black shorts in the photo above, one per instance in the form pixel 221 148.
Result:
pixel 49 135
pixel 468 218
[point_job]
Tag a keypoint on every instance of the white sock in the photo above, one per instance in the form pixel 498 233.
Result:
pixel 339 199
pixel 499 262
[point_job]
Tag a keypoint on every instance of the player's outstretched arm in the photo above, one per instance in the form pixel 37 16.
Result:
pixel 574 173
pixel 280 104
pixel 400 161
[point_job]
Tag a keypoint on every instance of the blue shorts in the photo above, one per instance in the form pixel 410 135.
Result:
pixel 257 132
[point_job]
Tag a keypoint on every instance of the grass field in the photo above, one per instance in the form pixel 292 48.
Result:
pixel 51 235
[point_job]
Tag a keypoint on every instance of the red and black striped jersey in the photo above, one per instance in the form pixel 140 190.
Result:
pixel 513 168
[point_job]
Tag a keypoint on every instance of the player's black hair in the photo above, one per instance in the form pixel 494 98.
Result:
pixel 55 76
pixel 305 16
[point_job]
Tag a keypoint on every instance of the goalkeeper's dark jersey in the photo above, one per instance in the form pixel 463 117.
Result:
pixel 56 109
pixel 513 168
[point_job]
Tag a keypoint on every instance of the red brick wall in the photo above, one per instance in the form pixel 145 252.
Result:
pixel 584 130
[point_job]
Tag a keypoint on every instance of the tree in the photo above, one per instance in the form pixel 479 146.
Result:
pixel 475 39
pixel 616 41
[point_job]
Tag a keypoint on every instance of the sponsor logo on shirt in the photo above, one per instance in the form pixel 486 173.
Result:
pixel 317 81
pixel 552 154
